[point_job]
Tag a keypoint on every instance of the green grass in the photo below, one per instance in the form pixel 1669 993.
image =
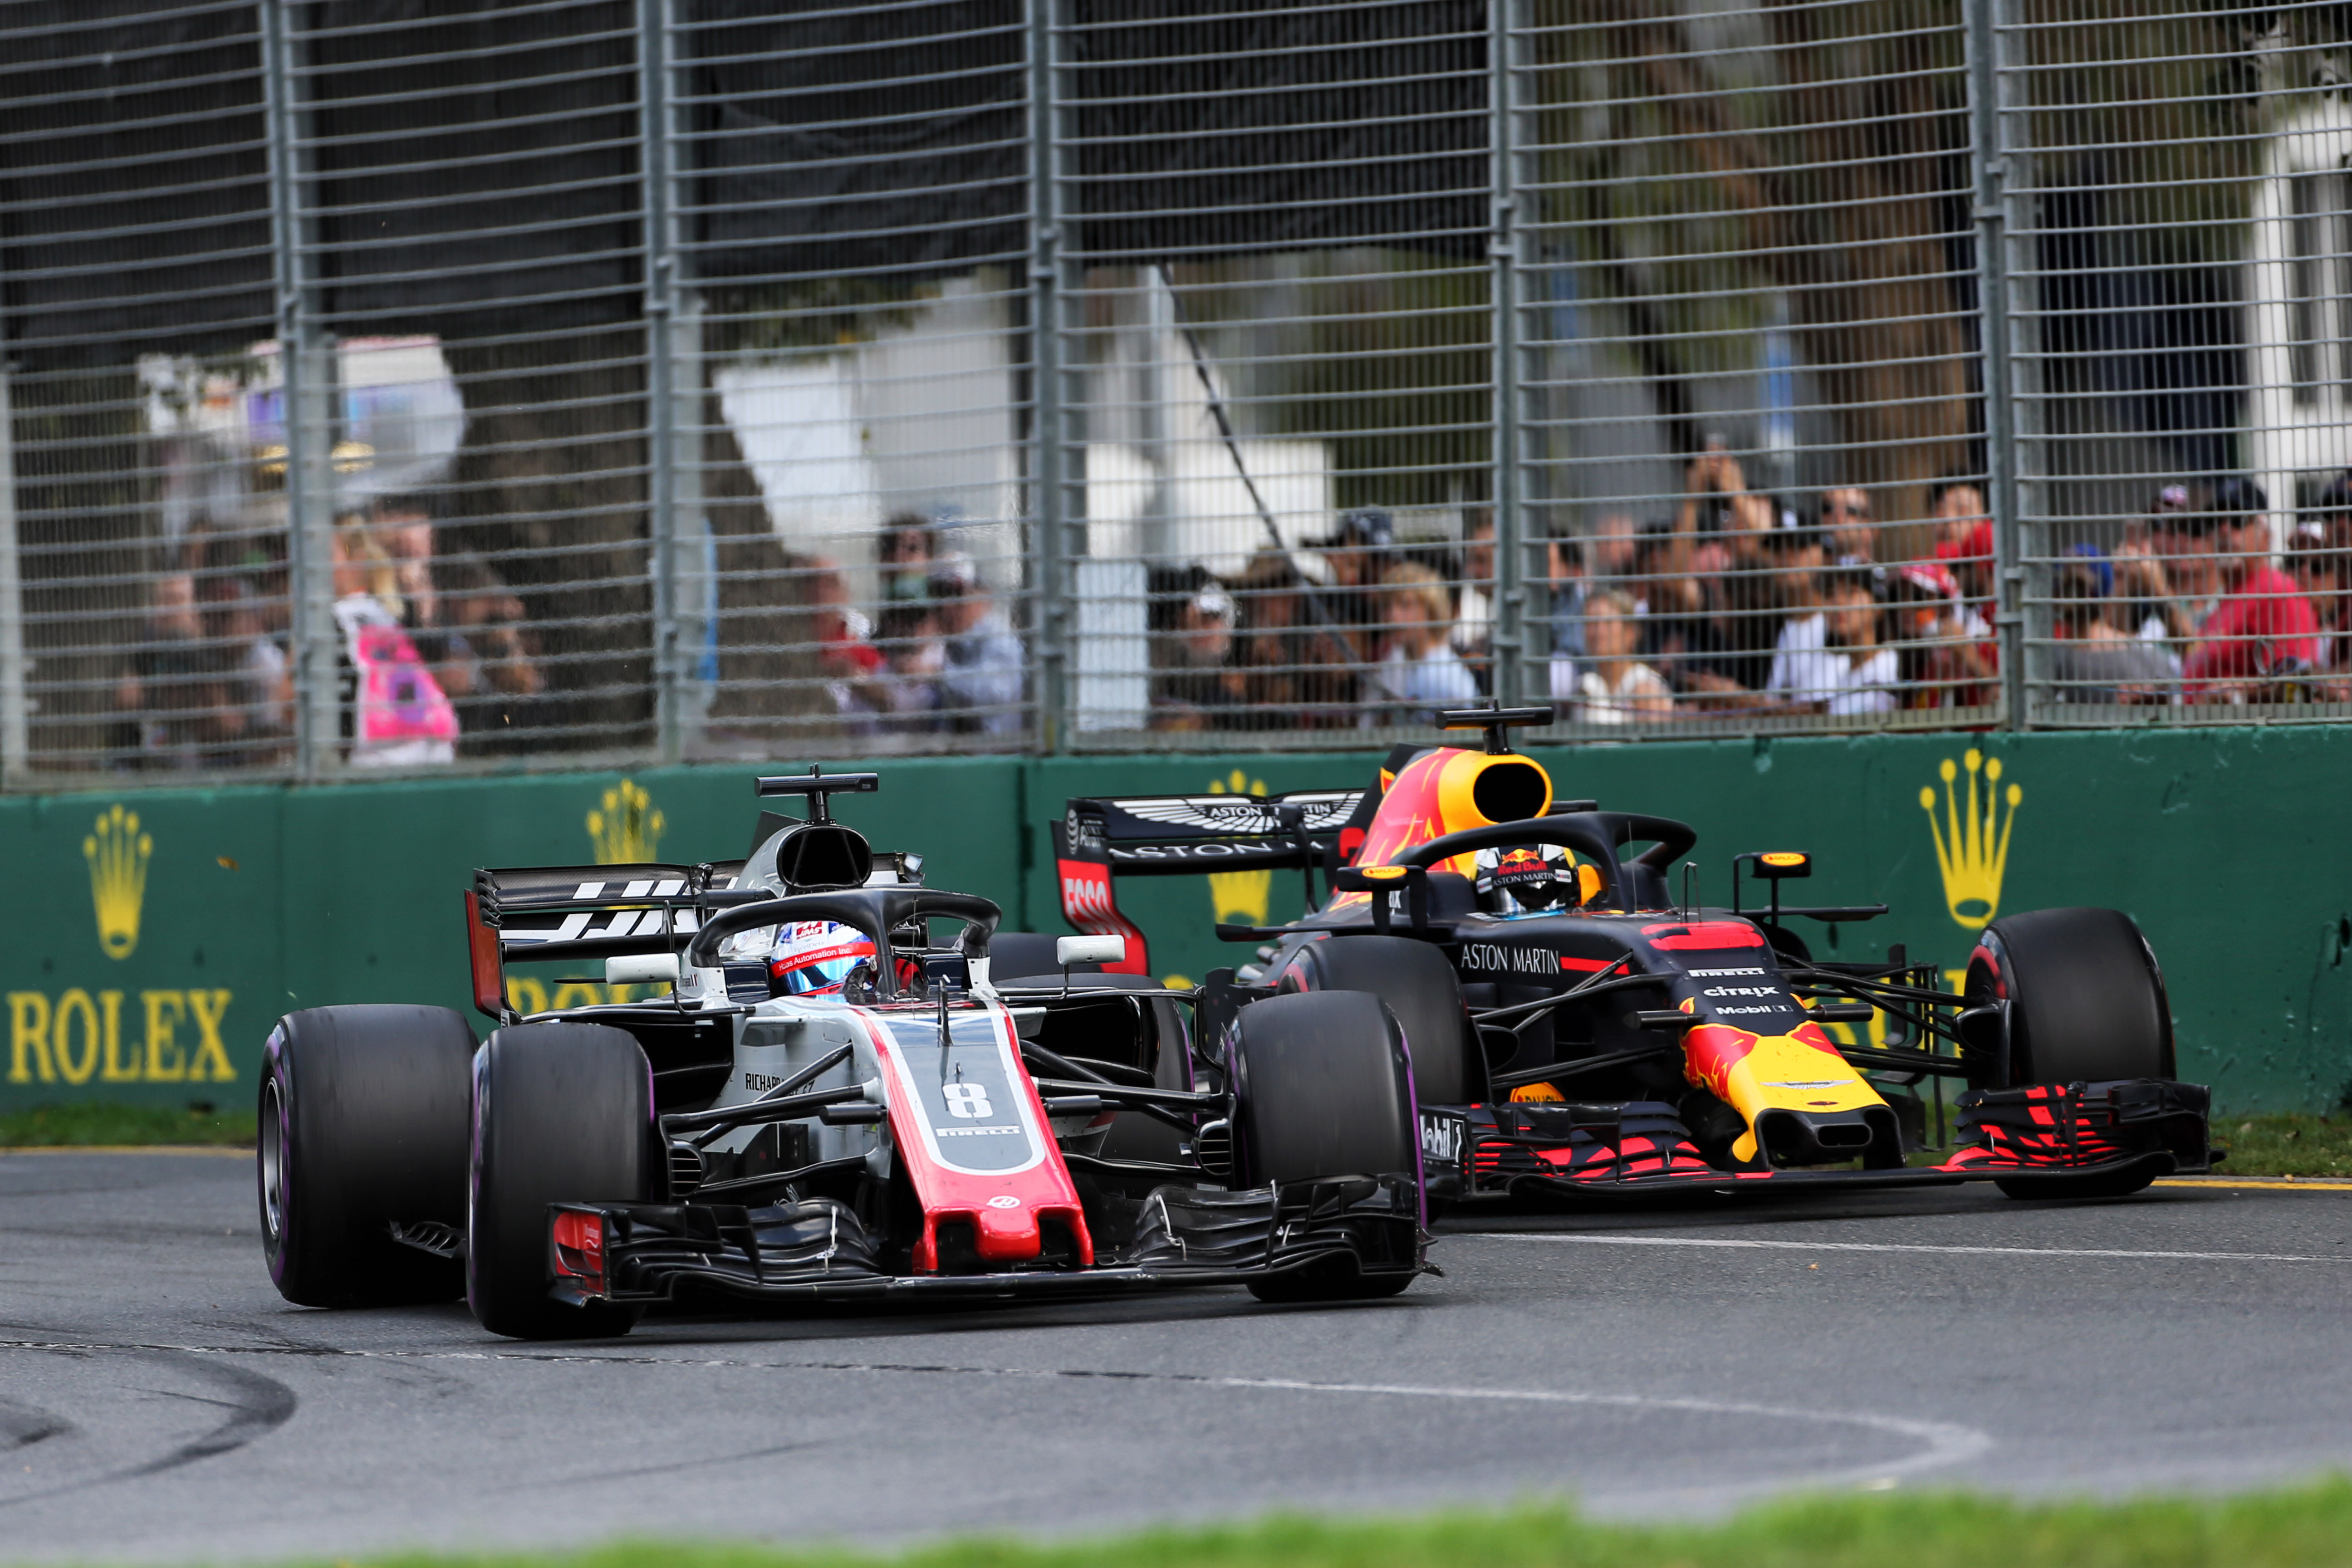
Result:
pixel 2310 1527
pixel 93 1123
pixel 2285 1145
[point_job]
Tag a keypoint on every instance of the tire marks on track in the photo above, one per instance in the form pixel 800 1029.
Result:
pixel 1939 1443
pixel 256 1406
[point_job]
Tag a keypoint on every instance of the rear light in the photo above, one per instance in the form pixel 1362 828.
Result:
pixel 489 971
pixel 579 1249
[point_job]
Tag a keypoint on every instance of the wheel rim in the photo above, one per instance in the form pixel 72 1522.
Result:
pixel 273 1163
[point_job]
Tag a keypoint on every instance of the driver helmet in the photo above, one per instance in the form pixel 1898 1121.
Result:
pixel 814 957
pixel 1524 877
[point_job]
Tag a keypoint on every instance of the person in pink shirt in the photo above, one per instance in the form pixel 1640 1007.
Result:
pixel 2263 629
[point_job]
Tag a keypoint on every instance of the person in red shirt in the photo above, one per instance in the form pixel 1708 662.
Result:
pixel 2263 629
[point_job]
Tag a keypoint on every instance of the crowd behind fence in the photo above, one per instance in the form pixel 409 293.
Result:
pixel 448 383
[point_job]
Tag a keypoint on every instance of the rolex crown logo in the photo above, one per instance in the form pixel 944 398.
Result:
pixel 117 852
pixel 1240 896
pixel 625 832
pixel 1972 842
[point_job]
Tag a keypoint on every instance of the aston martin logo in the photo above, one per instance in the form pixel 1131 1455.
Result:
pixel 1241 896
pixel 117 852
pixel 1972 843
pixel 628 831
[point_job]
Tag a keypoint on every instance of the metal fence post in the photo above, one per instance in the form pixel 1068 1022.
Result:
pixel 305 366
pixel 661 404
pixel 1981 43
pixel 1511 616
pixel 15 749
pixel 1050 459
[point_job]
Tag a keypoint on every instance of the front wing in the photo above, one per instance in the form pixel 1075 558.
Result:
pixel 2081 1137
pixel 816 1252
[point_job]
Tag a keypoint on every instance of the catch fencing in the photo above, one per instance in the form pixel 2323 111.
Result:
pixel 444 383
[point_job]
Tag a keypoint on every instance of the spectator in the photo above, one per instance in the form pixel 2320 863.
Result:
pixel 1722 577
pixel 397 714
pixel 909 546
pixel 1357 556
pixel 1866 671
pixel 1297 672
pixel 1937 646
pixel 1804 672
pixel 981 675
pixel 1207 689
pixel 1845 519
pixel 170 693
pixel 912 660
pixel 1418 673
pixel 848 662
pixel 1617 687
pixel 257 716
pixel 2164 569
pixel 2263 631
pixel 2095 660
pixel 489 662
pixel 1473 609
pixel 2321 564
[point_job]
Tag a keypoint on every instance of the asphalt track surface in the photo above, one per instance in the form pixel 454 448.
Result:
pixel 159 1401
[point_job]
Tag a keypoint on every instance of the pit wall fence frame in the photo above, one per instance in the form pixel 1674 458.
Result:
pixel 157 936
pixel 1207 283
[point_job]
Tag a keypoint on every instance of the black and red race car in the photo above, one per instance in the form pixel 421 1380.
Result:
pixel 826 1105
pixel 1577 1029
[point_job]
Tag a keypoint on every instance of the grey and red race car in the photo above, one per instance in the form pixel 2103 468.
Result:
pixel 827 1105
pixel 1577 1029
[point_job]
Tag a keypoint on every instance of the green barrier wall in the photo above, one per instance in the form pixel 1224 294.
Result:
pixel 150 947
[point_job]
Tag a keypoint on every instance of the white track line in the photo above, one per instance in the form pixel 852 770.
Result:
pixel 1941 1442
pixel 1897 1246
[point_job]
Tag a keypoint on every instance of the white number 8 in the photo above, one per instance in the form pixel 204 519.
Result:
pixel 968 1101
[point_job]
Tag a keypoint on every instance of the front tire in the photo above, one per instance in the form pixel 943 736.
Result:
pixel 363 1125
pixel 563 1113
pixel 2087 1004
pixel 1322 1089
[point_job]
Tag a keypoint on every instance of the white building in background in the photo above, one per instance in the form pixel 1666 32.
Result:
pixel 2299 311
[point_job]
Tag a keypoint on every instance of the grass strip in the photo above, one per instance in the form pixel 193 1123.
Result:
pixel 2308 1527
pixel 2285 1145
pixel 94 1123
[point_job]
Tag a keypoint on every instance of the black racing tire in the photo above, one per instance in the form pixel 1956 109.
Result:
pixel 1419 985
pixel 1320 1090
pixel 2087 1004
pixel 2087 1000
pixel 562 1112
pixel 362 1114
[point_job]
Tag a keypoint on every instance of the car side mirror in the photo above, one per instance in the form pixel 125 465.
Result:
pixel 1072 950
pixel 641 969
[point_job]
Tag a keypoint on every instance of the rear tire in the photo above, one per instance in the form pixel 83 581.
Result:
pixel 2087 1004
pixel 1321 1089
pixel 1419 985
pixel 563 1113
pixel 362 1123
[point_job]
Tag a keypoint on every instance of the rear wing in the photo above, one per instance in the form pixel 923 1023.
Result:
pixel 1101 839
pixel 539 913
